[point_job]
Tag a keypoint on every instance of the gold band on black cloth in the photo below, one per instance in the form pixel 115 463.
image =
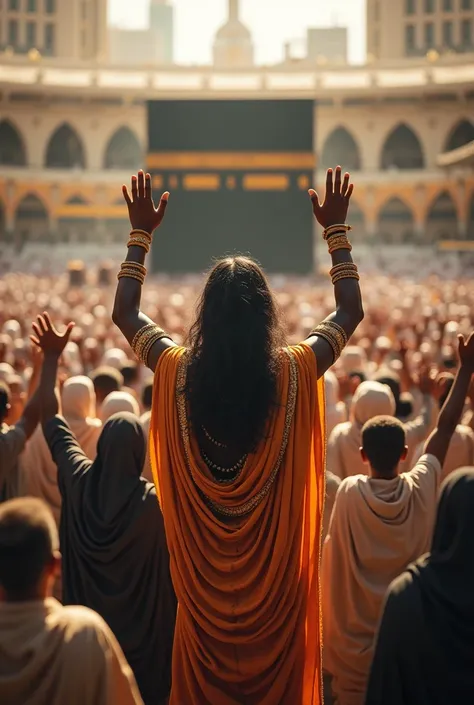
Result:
pixel 251 504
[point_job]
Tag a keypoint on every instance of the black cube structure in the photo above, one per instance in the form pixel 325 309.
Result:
pixel 238 172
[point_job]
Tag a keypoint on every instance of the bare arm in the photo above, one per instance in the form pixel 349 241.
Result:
pixel 406 378
pixel 143 216
pixel 349 312
pixel 31 413
pixel 52 345
pixel 450 414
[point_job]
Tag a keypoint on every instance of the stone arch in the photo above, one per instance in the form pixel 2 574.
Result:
pixel 31 220
pixel 462 133
pixel 12 145
pixel 356 218
pixel 76 200
pixel 123 150
pixel 442 219
pixel 396 222
pixel 65 149
pixel 402 150
pixel 341 148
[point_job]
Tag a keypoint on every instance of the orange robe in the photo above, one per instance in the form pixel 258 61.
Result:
pixel 249 619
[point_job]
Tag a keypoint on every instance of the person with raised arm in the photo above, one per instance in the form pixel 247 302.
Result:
pixel 379 525
pixel 113 543
pixel 237 440
pixel 13 438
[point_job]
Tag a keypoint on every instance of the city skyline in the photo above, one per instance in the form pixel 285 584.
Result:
pixel 197 23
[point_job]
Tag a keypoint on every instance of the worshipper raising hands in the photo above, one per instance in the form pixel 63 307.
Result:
pixel 39 473
pixel 237 452
pixel 425 646
pixel 379 525
pixel 13 438
pixel 50 654
pixel 115 558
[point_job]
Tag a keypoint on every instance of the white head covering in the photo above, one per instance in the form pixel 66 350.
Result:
pixel 371 399
pixel 353 359
pixel 78 398
pixel 335 409
pixel 12 328
pixel 115 358
pixel 118 402
pixel 6 371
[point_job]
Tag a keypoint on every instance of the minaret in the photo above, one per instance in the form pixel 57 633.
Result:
pixel 233 10
pixel 233 47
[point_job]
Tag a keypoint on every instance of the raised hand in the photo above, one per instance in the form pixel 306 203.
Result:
pixel 141 208
pixel 333 211
pixel 47 338
pixel 466 351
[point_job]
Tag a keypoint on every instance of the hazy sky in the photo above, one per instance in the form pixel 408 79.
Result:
pixel 273 22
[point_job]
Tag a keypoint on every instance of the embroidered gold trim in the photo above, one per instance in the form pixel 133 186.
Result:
pixel 254 501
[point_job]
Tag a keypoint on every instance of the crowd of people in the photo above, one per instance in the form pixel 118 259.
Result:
pixel 166 479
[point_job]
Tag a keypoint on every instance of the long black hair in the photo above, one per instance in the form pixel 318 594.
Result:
pixel 235 346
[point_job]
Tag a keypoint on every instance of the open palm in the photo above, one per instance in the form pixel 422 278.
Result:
pixel 333 210
pixel 141 208
pixel 47 338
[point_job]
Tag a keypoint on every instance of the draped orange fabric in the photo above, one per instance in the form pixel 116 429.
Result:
pixel 245 556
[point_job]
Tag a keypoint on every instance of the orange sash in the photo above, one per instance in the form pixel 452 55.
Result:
pixel 249 623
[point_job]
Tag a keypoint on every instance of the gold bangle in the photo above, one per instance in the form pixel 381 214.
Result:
pixel 136 266
pixel 344 275
pixel 147 349
pixel 141 332
pixel 343 267
pixel 339 242
pixel 336 330
pixel 139 241
pixel 336 229
pixel 144 340
pixel 131 275
pixel 334 334
pixel 137 231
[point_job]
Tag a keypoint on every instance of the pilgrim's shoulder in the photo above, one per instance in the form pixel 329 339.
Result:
pixel 340 430
pixel 351 485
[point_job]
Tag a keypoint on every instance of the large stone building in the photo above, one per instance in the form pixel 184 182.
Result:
pixel 71 131
pixel 405 28
pixel 152 46
pixel 64 29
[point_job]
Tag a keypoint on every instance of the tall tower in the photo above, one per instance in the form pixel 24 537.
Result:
pixel 73 29
pixel 233 47
pixel 162 26
pixel 397 30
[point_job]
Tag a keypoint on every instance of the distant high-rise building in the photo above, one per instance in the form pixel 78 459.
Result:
pixel 328 44
pixel 145 47
pixel 75 29
pixel 406 28
pixel 233 47
pixel 162 26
